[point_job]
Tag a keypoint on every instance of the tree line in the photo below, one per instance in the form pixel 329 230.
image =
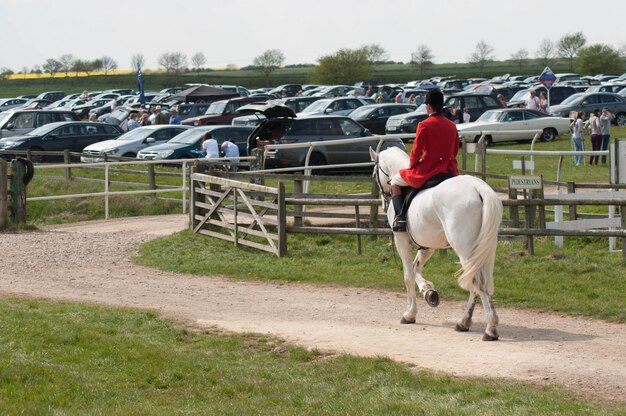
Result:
pixel 346 65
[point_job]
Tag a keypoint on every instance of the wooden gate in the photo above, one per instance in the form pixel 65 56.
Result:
pixel 243 213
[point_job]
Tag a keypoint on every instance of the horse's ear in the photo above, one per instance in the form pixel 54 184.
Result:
pixel 373 154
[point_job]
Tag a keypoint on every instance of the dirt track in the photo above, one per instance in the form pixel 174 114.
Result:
pixel 91 262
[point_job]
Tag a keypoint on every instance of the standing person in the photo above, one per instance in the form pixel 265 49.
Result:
pixel 605 122
pixel 466 115
pixel 92 117
pixel 144 119
pixel 84 95
pixel 132 122
pixel 159 117
pixel 543 102
pixel 433 155
pixel 533 101
pixel 209 145
pixel 577 136
pixel 454 114
pixel 398 98
pixel 412 99
pixel 502 100
pixel 596 135
pixel 231 151
pixel 174 117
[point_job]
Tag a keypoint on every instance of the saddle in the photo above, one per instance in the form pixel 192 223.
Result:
pixel 409 192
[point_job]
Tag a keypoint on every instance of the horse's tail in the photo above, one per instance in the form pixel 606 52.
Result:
pixel 477 271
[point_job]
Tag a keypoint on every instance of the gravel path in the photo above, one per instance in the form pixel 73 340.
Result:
pixel 91 262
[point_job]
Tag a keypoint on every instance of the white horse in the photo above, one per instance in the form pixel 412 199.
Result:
pixel 463 213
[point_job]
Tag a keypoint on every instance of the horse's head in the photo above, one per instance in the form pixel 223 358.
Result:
pixel 381 174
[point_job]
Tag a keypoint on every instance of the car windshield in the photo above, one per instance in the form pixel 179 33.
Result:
pixel 521 95
pixel 4 117
pixel 119 114
pixel 136 134
pixel 188 137
pixel 215 108
pixel 490 116
pixel 572 99
pixel 421 109
pixel 360 112
pixel 318 105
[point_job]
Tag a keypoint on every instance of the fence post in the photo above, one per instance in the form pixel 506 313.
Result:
pixel 67 160
pixel 282 221
pixel 463 154
pixel 257 164
pixel 151 179
pixel 18 191
pixel 357 216
pixel 513 209
pixel 571 189
pixel 4 193
pixel 193 197
pixel 622 212
pixel 483 161
pixel 297 209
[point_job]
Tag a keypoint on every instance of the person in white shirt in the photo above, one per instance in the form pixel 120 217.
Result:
pixel 209 145
pixel 466 115
pixel 231 151
pixel 533 101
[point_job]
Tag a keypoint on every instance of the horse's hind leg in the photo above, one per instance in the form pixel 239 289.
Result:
pixel 466 321
pixel 491 332
pixel 426 287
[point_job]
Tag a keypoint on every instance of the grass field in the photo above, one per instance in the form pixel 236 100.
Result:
pixel 60 358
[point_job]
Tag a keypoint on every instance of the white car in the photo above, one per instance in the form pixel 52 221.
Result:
pixel 523 122
pixel 129 144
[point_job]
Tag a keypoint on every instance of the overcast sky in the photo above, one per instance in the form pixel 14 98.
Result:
pixel 235 31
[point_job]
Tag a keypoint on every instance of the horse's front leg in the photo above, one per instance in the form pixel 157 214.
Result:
pixel 404 247
pixel 426 287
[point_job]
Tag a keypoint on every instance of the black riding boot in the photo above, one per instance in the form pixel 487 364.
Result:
pixel 399 222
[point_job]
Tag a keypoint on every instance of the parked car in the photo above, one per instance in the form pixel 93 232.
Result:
pixel 59 136
pixel 476 104
pixel 518 119
pixel 34 104
pixel 219 112
pixel 129 144
pixel 51 95
pixel 557 95
pixel 17 122
pixel 290 89
pixel 336 106
pixel 374 116
pixel 181 146
pixel 297 104
pixel 334 91
pixel 281 126
pixel 589 101
pixel 615 87
pixel 242 91
pixel 9 103
pixel 83 110
pixel 189 110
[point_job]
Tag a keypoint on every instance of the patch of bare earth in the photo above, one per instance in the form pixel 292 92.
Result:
pixel 91 262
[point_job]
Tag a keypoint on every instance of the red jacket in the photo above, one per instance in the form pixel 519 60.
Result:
pixel 434 151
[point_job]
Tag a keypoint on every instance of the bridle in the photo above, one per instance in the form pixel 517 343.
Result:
pixel 386 195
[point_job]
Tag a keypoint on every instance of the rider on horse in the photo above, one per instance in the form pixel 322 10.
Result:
pixel 433 155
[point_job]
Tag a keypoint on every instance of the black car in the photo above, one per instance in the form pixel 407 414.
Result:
pixel 67 135
pixel 17 122
pixel 374 116
pixel 281 127
pixel 476 104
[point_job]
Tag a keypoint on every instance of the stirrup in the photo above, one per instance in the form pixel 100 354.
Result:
pixel 399 224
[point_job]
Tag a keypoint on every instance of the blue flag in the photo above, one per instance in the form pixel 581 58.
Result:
pixel 142 97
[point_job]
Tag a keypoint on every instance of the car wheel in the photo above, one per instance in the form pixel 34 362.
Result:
pixel 549 134
pixel 129 154
pixel 488 140
pixel 620 119
pixel 317 159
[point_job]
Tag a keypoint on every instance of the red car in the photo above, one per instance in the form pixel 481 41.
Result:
pixel 220 112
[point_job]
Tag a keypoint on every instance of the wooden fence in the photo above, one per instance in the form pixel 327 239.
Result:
pixel 360 215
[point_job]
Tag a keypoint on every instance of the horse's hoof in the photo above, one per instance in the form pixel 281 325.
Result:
pixel 487 337
pixel 460 328
pixel 432 298
pixel 406 321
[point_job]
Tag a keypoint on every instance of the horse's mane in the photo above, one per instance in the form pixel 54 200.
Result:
pixel 395 158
